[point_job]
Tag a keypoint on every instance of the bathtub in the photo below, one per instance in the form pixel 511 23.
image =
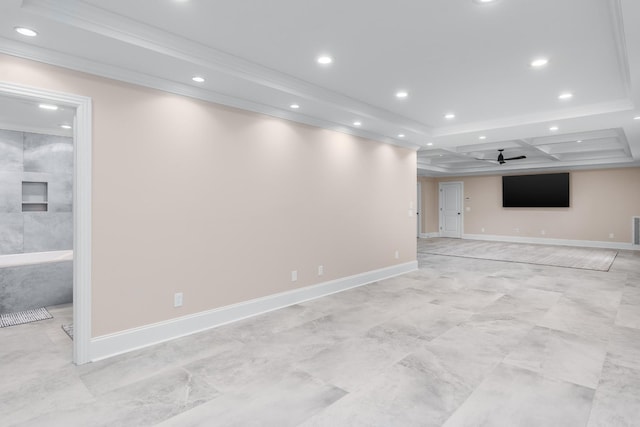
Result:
pixel 34 280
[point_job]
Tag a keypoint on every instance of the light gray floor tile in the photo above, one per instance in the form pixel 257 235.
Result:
pixel 467 299
pixel 287 402
pixel 51 391
pixel 511 396
pixel 425 323
pixel 466 352
pixel 523 304
pixel 561 356
pixel 617 399
pixel 351 363
pixel 584 315
pixel 629 311
pixel 508 331
pixel 440 342
pixel 141 364
pixel 406 394
pixel 624 347
pixel 147 402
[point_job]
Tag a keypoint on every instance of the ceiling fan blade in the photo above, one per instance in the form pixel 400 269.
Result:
pixel 516 158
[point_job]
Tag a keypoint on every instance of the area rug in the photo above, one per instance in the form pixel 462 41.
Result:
pixel 68 329
pixel 22 317
pixel 557 256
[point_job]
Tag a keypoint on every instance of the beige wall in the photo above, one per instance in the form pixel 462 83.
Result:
pixel 429 193
pixel 222 204
pixel 602 202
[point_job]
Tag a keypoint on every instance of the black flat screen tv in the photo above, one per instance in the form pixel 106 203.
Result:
pixel 536 191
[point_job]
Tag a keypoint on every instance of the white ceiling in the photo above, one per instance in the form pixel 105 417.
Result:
pixel 449 55
pixel 23 114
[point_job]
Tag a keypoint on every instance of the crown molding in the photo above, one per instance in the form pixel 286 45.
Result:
pixel 99 21
pixel 428 170
pixel 617 23
pixel 47 56
pixel 615 106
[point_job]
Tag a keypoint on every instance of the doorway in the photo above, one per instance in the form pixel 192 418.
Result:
pixel 451 213
pixel 81 202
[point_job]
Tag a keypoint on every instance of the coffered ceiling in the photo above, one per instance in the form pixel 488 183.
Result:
pixel 468 58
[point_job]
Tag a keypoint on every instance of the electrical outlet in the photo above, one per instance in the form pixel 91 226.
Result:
pixel 177 299
pixel 611 235
pixel 543 232
pixel 397 254
pixel 320 270
pixel 294 275
pixel 482 229
pixel 517 230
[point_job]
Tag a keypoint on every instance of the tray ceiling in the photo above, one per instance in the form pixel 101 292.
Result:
pixel 450 57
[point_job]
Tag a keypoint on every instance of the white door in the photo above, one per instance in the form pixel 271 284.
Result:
pixel 451 209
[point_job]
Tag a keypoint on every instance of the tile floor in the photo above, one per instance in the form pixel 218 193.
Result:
pixel 460 342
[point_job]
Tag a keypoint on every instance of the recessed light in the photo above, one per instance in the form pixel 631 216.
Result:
pixel 449 116
pixel 565 95
pixel 554 128
pixel 482 137
pixel 65 126
pixel 540 62
pixel 402 94
pixel 484 1
pixel 429 144
pixel 198 79
pixel 401 135
pixel 26 31
pixel 357 123
pixel 294 106
pixel 324 60
pixel 48 107
pixel 636 118
pixel 579 141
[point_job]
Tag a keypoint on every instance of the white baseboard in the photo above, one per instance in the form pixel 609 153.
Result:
pixel 429 235
pixel 547 241
pixel 144 336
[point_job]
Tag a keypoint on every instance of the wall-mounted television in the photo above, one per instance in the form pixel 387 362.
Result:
pixel 536 191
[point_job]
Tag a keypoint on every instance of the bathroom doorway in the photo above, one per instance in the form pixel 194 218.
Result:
pixel 48 168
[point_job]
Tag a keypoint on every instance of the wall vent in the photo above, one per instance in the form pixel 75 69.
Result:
pixel 636 230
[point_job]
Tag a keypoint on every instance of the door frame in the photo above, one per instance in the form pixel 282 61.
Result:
pixel 419 208
pixel 460 185
pixel 81 206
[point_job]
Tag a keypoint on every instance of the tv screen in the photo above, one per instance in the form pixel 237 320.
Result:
pixel 536 191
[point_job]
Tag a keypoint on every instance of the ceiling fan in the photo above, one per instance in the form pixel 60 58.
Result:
pixel 501 158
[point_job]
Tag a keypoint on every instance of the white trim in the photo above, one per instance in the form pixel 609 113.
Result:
pixel 144 336
pixel 36 53
pixel 419 208
pixel 547 241
pixel 429 235
pixel 81 207
pixel 617 22
pixel 82 15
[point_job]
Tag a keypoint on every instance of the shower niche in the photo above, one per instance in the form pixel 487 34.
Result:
pixel 34 196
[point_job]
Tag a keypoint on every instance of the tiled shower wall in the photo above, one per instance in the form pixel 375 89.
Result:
pixel 26 156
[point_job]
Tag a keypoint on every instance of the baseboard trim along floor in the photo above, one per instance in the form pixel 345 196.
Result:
pixel 136 338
